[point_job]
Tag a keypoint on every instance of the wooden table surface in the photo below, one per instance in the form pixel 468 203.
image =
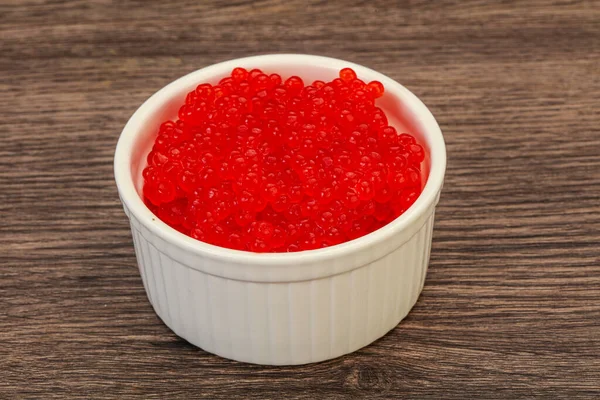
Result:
pixel 511 305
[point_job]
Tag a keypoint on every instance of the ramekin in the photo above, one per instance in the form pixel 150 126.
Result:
pixel 287 308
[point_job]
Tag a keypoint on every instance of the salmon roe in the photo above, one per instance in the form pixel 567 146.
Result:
pixel 263 164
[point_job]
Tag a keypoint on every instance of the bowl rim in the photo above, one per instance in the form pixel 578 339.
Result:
pixel 133 202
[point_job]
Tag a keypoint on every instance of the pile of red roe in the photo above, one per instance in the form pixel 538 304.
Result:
pixel 261 164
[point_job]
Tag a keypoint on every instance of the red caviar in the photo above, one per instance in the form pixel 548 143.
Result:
pixel 264 164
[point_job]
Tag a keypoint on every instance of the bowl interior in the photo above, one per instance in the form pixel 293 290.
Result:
pixel 405 111
pixel 400 116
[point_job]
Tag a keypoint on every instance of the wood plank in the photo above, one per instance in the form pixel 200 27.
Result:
pixel 511 305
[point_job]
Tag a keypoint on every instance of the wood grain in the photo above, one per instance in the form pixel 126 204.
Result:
pixel 511 306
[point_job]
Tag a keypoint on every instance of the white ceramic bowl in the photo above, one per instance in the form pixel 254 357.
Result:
pixel 286 308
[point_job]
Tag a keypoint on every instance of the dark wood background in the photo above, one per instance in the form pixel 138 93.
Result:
pixel 511 306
